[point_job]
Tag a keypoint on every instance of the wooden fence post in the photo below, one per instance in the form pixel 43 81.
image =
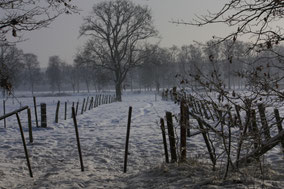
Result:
pixel 78 139
pixel 4 112
pixel 30 125
pixel 183 129
pixel 171 137
pixel 91 103
pixel 264 123
pixel 35 108
pixel 73 105
pixel 204 110
pixel 95 101
pixel 43 115
pixel 239 116
pixel 279 125
pixel 127 139
pixel 77 107
pixel 100 100
pixel 24 144
pixel 164 139
pixel 206 140
pixel 86 105
pixel 254 128
pixel 82 110
pixel 57 111
pixel 65 111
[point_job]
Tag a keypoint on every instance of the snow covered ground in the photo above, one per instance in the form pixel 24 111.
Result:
pixel 55 161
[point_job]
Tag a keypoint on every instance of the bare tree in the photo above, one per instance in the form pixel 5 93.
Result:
pixel 32 70
pixel 117 29
pixel 72 76
pixel 28 15
pixel 257 20
pixel 54 72
pixel 10 66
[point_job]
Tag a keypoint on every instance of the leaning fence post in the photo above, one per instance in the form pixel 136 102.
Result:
pixel 127 139
pixel 279 125
pixel 35 111
pixel 4 112
pixel 78 139
pixel 57 111
pixel 171 137
pixel 82 110
pixel 264 123
pixel 206 140
pixel 255 129
pixel 73 105
pixel 24 144
pixel 43 115
pixel 164 139
pixel 183 128
pixel 30 125
pixel 86 105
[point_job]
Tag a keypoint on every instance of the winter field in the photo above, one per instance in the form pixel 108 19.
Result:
pixel 55 161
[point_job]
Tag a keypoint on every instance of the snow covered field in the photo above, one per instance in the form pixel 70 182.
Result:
pixel 54 155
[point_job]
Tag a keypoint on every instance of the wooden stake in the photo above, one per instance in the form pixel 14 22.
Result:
pixel 43 115
pixel 77 107
pixel 264 123
pixel 279 126
pixel 127 139
pixel 164 139
pixel 255 131
pixel 183 128
pixel 239 116
pixel 86 105
pixel 35 111
pixel 78 139
pixel 171 137
pixel 82 110
pixel 57 111
pixel 206 140
pixel 91 103
pixel 65 111
pixel 30 125
pixel 73 105
pixel 24 144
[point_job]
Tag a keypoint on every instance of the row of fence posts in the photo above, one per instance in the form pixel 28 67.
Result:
pixel 16 112
pixel 88 104
pixel 94 102
pixel 201 111
pixel 184 132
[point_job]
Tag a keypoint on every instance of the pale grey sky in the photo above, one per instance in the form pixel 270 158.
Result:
pixel 61 37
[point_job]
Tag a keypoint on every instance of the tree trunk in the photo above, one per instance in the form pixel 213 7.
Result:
pixel 118 88
pixel 87 84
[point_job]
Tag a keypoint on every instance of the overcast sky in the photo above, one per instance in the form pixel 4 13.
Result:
pixel 61 37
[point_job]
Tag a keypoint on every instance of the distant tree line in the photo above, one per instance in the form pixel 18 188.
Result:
pixel 158 70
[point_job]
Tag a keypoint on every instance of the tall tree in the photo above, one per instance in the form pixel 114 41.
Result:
pixel 10 66
pixel 117 29
pixel 32 70
pixel 54 72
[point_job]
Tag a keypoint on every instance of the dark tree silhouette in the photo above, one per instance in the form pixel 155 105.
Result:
pixel 117 29
pixel 28 15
